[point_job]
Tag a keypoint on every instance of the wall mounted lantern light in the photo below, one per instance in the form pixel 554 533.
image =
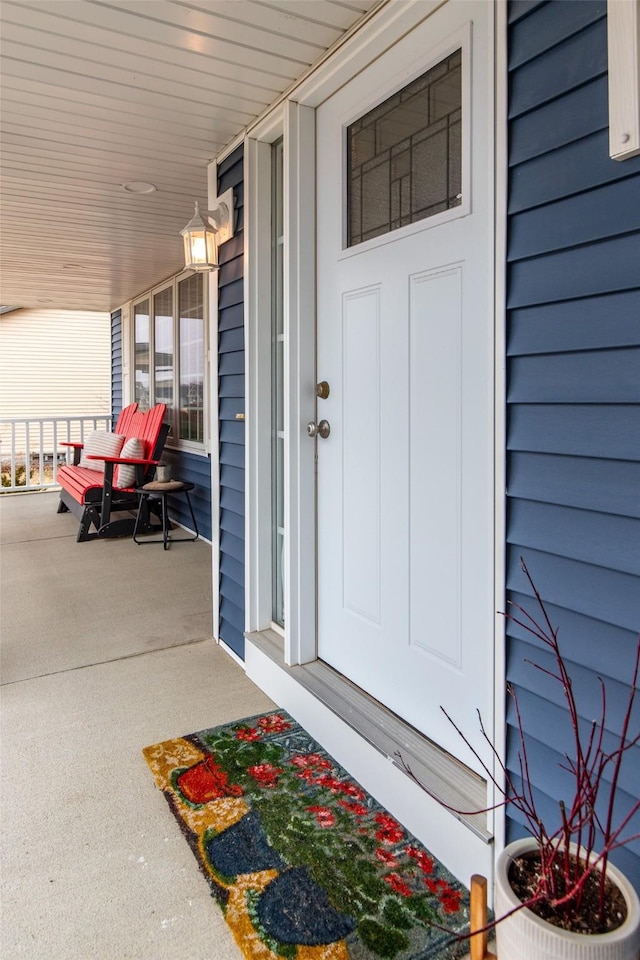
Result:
pixel 203 237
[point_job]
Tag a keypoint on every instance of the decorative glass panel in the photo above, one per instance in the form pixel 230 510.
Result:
pixel 163 347
pixel 141 350
pixel 191 314
pixel 404 157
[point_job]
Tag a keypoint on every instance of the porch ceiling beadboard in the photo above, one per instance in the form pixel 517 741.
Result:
pixel 573 386
pixel 96 95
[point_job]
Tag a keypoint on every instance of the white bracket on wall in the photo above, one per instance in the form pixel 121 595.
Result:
pixel 221 216
pixel 623 43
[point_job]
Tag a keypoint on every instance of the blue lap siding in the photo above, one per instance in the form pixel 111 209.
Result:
pixel 573 375
pixel 196 469
pixel 231 392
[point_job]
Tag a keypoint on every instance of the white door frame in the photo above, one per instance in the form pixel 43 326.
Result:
pixel 300 373
pixel 294 118
pixel 297 126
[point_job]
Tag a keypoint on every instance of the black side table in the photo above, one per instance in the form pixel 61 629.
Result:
pixel 160 491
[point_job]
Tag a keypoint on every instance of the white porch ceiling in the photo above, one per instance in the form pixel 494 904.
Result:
pixel 98 93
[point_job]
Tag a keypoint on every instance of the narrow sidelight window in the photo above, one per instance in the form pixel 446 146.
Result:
pixel 277 381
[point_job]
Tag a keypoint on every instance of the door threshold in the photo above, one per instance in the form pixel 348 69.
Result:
pixel 451 782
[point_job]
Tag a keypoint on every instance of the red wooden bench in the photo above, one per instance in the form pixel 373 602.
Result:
pixel 93 496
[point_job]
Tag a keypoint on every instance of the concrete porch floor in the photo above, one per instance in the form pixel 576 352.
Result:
pixel 106 648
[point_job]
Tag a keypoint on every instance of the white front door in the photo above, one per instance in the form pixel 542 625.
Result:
pixel 405 342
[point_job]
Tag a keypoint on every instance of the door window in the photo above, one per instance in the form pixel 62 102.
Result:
pixel 404 157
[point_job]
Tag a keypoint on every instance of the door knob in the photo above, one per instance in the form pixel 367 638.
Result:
pixel 323 390
pixel 322 429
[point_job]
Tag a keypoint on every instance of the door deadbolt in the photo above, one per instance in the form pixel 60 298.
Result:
pixel 322 429
pixel 323 390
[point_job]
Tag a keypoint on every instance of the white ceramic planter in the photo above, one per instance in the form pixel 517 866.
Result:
pixel 526 937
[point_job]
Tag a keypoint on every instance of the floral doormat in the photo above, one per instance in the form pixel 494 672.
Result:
pixel 305 864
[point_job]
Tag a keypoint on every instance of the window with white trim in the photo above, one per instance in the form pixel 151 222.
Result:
pixel 169 351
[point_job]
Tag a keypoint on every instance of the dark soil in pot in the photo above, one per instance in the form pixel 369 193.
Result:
pixel 581 915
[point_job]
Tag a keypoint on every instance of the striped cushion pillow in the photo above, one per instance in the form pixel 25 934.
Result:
pixel 100 443
pixel 125 475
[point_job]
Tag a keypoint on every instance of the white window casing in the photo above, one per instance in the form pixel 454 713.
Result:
pixel 200 447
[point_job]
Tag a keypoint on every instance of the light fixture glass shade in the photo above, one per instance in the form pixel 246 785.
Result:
pixel 200 249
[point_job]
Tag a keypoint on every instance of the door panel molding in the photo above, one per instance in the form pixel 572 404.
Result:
pixel 361 448
pixel 435 499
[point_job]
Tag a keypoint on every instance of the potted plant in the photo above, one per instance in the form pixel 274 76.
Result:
pixel 557 896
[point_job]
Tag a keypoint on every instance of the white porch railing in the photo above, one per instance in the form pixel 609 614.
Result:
pixel 30 450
